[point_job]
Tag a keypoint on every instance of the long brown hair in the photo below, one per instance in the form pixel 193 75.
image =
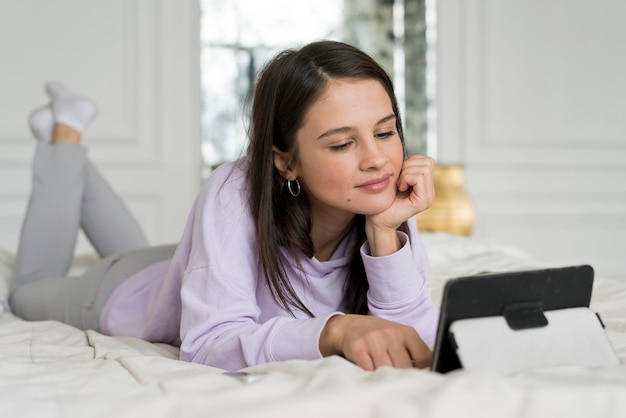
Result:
pixel 287 87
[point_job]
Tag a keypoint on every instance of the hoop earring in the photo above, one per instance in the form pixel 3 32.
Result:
pixel 296 192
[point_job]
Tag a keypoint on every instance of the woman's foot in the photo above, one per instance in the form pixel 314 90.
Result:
pixel 41 122
pixel 69 109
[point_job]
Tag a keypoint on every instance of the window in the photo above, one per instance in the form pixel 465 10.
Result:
pixel 239 36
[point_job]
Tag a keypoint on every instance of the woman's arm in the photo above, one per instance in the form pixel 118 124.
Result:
pixel 226 321
pixel 398 285
pixel 402 317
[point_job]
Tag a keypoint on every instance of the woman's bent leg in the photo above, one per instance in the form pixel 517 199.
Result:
pixel 108 224
pixel 52 220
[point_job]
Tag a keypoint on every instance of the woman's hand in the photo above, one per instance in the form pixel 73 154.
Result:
pixel 371 342
pixel 416 184
pixel 416 193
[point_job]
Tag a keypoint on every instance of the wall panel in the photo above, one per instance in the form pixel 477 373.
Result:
pixel 138 59
pixel 531 101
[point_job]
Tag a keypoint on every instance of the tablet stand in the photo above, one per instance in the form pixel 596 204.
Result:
pixel 524 339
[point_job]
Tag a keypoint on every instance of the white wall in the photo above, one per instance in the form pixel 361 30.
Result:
pixel 138 59
pixel 532 99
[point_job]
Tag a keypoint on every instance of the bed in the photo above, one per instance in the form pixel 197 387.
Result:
pixel 48 369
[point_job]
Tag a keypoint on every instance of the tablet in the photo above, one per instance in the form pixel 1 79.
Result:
pixel 572 337
pixel 521 297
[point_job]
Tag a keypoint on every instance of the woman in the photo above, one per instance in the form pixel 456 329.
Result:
pixel 306 247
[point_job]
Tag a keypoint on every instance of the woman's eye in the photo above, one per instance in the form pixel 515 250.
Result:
pixel 339 147
pixel 384 135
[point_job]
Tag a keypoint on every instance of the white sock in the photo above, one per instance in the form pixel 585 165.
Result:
pixel 41 122
pixel 72 110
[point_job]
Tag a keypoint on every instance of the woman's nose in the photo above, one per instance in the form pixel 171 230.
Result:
pixel 372 156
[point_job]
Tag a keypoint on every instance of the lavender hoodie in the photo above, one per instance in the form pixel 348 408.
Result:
pixel 212 300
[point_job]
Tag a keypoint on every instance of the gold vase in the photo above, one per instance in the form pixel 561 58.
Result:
pixel 452 211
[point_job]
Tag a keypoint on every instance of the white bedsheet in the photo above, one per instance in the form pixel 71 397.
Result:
pixel 48 369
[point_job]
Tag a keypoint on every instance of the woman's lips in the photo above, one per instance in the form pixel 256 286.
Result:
pixel 376 185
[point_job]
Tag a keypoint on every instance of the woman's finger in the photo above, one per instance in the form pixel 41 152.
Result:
pixel 421 355
pixel 400 356
pixel 412 169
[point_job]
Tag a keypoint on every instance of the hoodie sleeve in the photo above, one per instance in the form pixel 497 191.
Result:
pixel 398 285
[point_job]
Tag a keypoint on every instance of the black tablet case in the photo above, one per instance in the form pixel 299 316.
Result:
pixel 520 296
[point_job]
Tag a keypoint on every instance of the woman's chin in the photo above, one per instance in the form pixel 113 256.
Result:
pixel 374 208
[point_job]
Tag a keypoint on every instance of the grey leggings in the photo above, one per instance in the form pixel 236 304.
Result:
pixel 68 193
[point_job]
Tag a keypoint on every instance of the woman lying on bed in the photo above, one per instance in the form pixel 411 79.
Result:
pixel 306 247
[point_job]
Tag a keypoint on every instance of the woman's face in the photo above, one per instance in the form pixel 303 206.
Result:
pixel 349 150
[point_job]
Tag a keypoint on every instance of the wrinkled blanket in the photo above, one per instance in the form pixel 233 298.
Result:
pixel 49 369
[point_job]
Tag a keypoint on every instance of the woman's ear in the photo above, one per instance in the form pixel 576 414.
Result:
pixel 282 162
